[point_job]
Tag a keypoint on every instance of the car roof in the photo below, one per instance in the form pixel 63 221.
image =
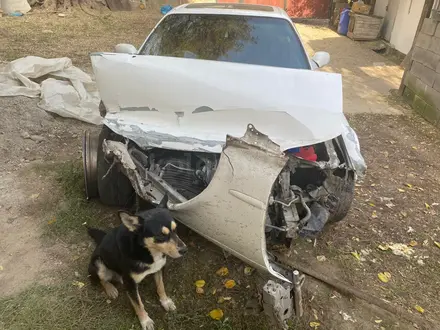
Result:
pixel 239 9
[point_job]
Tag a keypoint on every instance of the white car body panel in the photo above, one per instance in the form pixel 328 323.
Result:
pixel 280 102
pixel 231 212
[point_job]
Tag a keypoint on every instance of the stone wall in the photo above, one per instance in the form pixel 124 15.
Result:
pixel 422 80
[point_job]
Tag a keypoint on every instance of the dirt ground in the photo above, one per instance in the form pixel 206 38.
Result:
pixel 43 248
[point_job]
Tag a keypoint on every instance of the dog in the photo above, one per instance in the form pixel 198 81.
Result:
pixel 135 249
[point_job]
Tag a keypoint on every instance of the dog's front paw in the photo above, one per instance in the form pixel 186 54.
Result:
pixel 111 291
pixel 168 305
pixel 147 324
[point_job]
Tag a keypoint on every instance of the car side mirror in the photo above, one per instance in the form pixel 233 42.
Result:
pixel 321 59
pixel 125 49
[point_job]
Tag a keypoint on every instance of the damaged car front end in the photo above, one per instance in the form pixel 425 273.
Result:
pixel 281 163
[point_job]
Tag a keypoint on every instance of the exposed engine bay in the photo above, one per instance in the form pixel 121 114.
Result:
pixel 314 187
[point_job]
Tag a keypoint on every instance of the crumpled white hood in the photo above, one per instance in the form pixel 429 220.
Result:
pixel 153 100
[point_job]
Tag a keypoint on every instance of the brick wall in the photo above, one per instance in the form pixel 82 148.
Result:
pixel 422 81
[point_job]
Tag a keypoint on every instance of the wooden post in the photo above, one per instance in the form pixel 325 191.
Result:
pixel 372 4
pixel 426 12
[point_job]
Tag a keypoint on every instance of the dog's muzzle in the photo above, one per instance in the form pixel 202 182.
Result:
pixel 182 250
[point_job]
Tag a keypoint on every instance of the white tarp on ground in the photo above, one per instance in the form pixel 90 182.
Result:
pixel 64 89
pixel 11 6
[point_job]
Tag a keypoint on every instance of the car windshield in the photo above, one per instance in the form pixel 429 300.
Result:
pixel 229 38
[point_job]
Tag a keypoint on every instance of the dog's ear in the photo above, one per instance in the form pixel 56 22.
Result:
pixel 164 202
pixel 132 222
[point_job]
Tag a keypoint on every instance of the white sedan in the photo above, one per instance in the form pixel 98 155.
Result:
pixel 222 110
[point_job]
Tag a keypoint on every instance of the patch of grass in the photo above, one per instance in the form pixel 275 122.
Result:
pixel 74 210
pixel 65 306
pixel 75 36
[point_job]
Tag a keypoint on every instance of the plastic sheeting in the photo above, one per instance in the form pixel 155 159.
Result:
pixel 64 89
pixel 11 6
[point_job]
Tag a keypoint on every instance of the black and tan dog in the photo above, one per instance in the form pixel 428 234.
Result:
pixel 135 249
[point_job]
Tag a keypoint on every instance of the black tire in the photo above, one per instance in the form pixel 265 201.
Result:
pixel 342 191
pixel 115 189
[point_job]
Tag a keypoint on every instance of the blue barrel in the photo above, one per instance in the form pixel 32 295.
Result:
pixel 343 22
pixel 165 9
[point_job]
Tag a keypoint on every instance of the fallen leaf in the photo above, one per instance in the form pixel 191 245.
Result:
pixel 390 205
pixel 221 300
pixel 400 249
pixel 216 314
pixel 347 317
pixel 200 290
pixel 371 204
pixel 437 244
pixel 409 185
pixel 52 221
pixel 378 321
pixel 214 291
pixel 374 214
pixel 356 255
pixel 1 268
pixel 34 196
pixel 200 283
pixel 401 190
pixel 321 258
pixel 229 284
pixel 383 247
pixel 314 324
pixel 420 309
pixel 427 206
pixel 315 314
pixel 222 272
pixel 384 277
pixel 413 243
pixel 78 284
pixel 248 270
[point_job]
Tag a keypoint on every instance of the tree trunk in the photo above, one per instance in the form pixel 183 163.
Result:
pixel 65 5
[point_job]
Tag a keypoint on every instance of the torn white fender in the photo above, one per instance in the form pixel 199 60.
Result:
pixel 231 211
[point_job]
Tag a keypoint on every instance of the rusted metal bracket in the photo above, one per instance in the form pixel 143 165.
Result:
pixel 282 300
pixel 298 281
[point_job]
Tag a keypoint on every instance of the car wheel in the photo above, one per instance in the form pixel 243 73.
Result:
pixel 114 187
pixel 343 195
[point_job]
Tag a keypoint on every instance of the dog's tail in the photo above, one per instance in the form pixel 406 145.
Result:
pixel 96 234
